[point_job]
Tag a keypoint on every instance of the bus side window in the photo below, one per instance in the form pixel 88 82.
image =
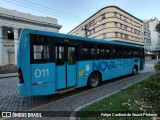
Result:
pixel 100 51
pixel 41 53
pixel 128 52
pixel 71 55
pixel 118 52
pixel 85 53
pixel 107 52
pixel 114 52
pixel 59 54
pixel 136 53
pixel 92 53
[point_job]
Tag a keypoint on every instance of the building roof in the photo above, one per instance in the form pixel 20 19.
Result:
pixel 106 8
pixel 13 14
pixel 150 20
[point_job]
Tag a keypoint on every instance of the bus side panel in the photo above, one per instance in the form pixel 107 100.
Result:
pixel 143 63
pixel 71 75
pixel 136 61
pixel 23 63
pixel 43 79
pixel 84 68
pixel 108 68
pixel 123 67
pixel 60 77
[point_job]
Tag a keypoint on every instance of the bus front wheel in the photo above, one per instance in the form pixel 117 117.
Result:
pixel 94 80
pixel 134 70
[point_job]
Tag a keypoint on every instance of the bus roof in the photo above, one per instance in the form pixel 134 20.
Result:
pixel 66 36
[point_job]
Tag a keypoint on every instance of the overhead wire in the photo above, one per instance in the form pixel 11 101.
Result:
pixel 54 10
pixel 40 10
pixel 47 9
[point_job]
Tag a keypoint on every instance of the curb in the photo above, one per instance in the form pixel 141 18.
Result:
pixel 73 114
pixel 9 76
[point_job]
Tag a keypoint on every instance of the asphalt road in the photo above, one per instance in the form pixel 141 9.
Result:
pixel 10 100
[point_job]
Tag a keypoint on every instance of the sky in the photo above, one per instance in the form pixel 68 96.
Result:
pixel 70 13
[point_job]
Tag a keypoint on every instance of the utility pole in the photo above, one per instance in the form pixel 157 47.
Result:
pixel 86 30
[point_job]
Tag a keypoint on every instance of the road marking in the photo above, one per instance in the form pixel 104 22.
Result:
pixel 149 65
pixel 8 76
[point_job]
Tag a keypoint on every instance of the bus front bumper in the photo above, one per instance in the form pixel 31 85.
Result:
pixel 21 89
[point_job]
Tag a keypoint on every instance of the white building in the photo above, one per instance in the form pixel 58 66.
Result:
pixel 147 37
pixel 11 23
pixel 147 41
pixel 155 36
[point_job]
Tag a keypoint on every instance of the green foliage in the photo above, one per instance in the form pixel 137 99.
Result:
pixel 157 66
pixel 153 87
pixel 141 97
pixel 158 28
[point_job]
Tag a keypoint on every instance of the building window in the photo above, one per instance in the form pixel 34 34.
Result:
pixel 92 22
pixel 104 36
pixel 10 35
pixel 103 16
pixel 116 24
pixel 125 27
pixel 116 34
pixel 120 16
pixel 121 26
pixel 125 19
pixel 136 32
pixel 115 14
pixel 93 30
pixel 136 39
pixel 121 35
pixel 131 37
pixel 136 24
pixel 103 26
pixel 125 36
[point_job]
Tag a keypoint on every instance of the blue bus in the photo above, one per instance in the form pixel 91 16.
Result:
pixel 50 63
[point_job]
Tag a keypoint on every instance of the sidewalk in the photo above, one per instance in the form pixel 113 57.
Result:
pixel 75 102
pixel 7 75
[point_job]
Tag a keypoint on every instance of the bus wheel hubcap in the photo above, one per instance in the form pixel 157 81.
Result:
pixel 94 81
pixel 134 71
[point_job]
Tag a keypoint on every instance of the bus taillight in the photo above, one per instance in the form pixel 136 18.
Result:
pixel 21 81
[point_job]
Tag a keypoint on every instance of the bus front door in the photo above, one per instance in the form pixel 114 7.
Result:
pixel 65 66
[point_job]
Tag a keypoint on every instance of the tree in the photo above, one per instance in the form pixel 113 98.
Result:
pixel 158 28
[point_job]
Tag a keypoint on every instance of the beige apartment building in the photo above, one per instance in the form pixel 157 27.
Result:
pixel 112 23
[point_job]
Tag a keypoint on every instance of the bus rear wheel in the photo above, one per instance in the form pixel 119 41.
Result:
pixel 94 80
pixel 134 70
